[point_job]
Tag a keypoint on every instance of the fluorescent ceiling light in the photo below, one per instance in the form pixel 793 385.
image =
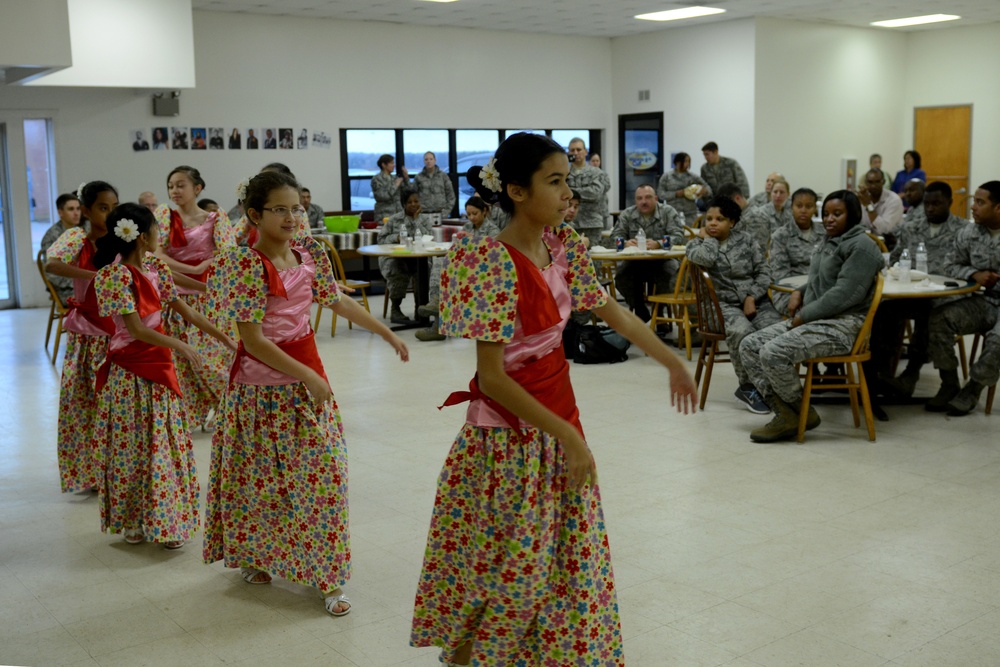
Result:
pixel 682 13
pixel 916 20
pixel 440 0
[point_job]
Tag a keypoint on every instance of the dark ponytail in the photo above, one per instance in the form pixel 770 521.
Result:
pixel 112 245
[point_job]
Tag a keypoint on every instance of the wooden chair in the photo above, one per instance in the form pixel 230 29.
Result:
pixel 712 328
pixel 852 362
pixel 341 277
pixel 992 391
pixel 57 311
pixel 676 303
pixel 606 275
pixel 878 241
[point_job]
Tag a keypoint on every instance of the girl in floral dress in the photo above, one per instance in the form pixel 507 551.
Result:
pixel 191 237
pixel 72 255
pixel 517 568
pixel 147 481
pixel 277 500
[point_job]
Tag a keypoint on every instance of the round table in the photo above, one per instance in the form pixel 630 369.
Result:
pixel 614 256
pixel 398 251
pixel 894 289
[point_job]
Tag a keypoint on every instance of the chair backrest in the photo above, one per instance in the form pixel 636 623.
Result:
pixel 683 284
pixel 710 320
pixel 338 267
pixel 878 241
pixel 53 292
pixel 864 336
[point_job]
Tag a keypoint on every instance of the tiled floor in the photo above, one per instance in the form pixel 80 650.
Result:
pixel 837 552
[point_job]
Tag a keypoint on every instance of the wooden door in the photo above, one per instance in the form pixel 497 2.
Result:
pixel 942 136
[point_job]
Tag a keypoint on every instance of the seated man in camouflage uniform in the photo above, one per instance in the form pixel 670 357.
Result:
pixel 827 315
pixel 976 256
pixel 937 229
pixel 656 220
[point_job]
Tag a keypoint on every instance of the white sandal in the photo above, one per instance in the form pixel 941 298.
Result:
pixel 250 574
pixel 134 536
pixel 173 545
pixel 333 600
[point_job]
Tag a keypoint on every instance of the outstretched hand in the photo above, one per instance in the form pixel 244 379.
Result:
pixel 683 392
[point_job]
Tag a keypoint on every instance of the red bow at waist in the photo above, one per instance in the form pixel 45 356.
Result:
pixel 302 350
pixel 545 378
pixel 150 362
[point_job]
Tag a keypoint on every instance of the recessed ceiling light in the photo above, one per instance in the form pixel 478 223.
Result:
pixel 682 13
pixel 916 20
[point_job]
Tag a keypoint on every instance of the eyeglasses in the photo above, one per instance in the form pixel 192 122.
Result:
pixel 282 211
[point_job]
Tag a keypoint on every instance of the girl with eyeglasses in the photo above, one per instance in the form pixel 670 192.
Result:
pixel 277 500
pixel 191 238
pixel 147 483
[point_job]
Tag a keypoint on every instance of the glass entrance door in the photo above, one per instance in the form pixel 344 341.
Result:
pixel 6 227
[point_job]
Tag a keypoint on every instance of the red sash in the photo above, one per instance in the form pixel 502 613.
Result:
pixel 88 309
pixel 536 306
pixel 177 236
pixel 302 350
pixel 178 240
pixel 150 362
pixel 545 378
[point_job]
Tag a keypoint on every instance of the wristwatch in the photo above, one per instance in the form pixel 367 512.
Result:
pixel 871 208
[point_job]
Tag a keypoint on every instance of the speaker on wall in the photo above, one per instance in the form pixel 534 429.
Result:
pixel 167 105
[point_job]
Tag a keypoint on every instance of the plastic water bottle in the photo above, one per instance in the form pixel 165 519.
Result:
pixel 403 239
pixel 640 240
pixel 921 258
pixel 904 266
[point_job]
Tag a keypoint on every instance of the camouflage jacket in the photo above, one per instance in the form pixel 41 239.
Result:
pixel 792 250
pixel 437 195
pixel 389 232
pixel 975 250
pixel 665 220
pixel 736 265
pixel 386 194
pixel 727 171
pixel 938 246
pixel 667 189
pixel 762 221
pixel 593 185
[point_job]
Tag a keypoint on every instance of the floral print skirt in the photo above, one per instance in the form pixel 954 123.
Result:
pixel 147 478
pixel 516 563
pixel 277 499
pixel 202 388
pixel 77 446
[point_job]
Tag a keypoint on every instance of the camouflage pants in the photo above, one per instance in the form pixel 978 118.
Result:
pixel 771 356
pixel 780 301
pixel 973 314
pixel 632 277
pixel 397 273
pixel 437 269
pixel 739 327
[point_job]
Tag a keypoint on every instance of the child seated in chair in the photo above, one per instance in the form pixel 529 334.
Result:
pixel 736 264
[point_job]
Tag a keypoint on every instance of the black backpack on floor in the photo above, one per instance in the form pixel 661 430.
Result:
pixel 589 344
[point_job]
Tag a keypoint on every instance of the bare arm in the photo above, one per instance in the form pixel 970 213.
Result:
pixel 140 331
pixel 350 309
pixel 683 392
pixel 181 267
pixel 187 282
pixel 57 267
pixel 196 318
pixel 495 383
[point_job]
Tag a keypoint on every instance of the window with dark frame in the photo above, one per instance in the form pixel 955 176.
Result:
pixel 456 151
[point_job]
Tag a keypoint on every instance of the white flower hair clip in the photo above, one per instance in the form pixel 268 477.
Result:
pixel 127 230
pixel 490 176
pixel 79 190
pixel 241 189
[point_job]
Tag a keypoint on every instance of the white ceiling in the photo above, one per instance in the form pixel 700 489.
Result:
pixel 604 18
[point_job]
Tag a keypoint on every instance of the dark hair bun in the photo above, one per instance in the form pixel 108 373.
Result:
pixel 476 182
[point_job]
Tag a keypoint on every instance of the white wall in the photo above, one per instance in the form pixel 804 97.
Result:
pixel 114 43
pixel 826 92
pixel 958 66
pixel 286 72
pixel 701 77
